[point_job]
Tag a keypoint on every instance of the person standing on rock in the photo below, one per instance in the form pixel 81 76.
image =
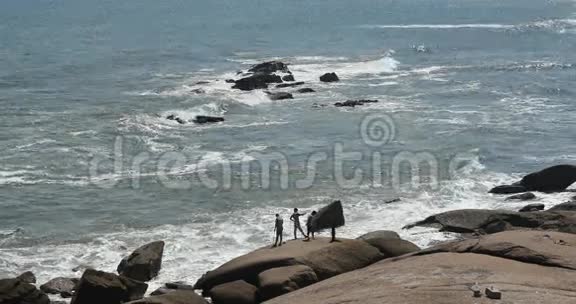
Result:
pixel 295 217
pixel 278 229
pixel 309 224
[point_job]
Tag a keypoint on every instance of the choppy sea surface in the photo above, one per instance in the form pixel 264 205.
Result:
pixel 90 168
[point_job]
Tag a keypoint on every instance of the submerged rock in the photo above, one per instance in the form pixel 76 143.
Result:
pixel 508 189
pixel 175 118
pixel 279 95
pixel 16 291
pixel 201 119
pixel 522 197
pixel 306 90
pixel 144 263
pixel 353 103
pixel 329 77
pixel 286 85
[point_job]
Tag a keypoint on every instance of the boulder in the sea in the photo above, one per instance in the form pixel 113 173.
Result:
pixel 293 84
pixel 176 118
pixel 353 103
pixel 256 81
pixel 532 207
pixel 380 234
pixel 325 258
pixel 16 291
pixel 330 216
pixel 553 179
pixel 393 247
pixel 179 285
pixel 306 90
pixel 230 81
pixel 97 287
pixel 522 197
pixel 329 77
pixel 288 78
pixel 144 263
pixel 279 95
pixel 173 297
pixel 236 292
pixel 59 285
pixel 278 281
pixel 27 277
pixel 269 67
pixel 203 119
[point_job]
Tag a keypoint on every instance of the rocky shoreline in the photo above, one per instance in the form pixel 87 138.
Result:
pixel 524 256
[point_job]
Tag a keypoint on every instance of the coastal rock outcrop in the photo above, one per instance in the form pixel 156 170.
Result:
pixel 552 179
pixel 97 287
pixel 203 119
pixel 393 247
pixel 324 258
pixel 527 266
pixel 287 85
pixel 59 285
pixel 278 281
pixel 27 277
pixel 329 77
pixel 288 78
pixel 236 292
pixel 380 234
pixel 306 90
pixel 492 221
pixel 174 297
pixel 532 207
pixel 522 197
pixel 16 291
pixel 568 206
pixel 279 95
pixel 269 67
pixel 144 263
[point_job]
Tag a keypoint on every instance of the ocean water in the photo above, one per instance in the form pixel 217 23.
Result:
pixel 91 168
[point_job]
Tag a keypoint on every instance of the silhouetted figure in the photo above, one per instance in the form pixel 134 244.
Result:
pixel 295 217
pixel 309 224
pixel 279 229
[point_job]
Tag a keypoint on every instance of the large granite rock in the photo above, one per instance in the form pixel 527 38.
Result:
pixel 144 263
pixel 256 81
pixel 16 291
pixel 97 287
pixel 529 267
pixel 552 179
pixel 278 281
pixel 236 292
pixel 325 258
pixel 329 77
pixel 380 234
pixel 393 247
pixel 174 297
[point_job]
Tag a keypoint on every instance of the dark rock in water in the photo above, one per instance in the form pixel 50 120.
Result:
pixel 393 247
pixel 269 67
pixel 16 291
pixel 329 77
pixel 198 91
pixel 508 189
pixel 66 294
pixel 392 201
pixel 27 277
pixel 318 105
pixel 59 285
pixel 161 291
pixel 278 281
pixel 553 179
pixel 236 292
pixel 568 206
pixel 353 103
pixel 174 297
pixel 522 197
pixel 97 287
pixel 306 90
pixel 286 85
pixel 256 81
pixel 331 216
pixel 288 77
pixel 179 285
pixel 230 81
pixel 532 207
pixel 279 95
pixel 144 263
pixel 203 82
pixel 381 234
pixel 201 119
pixel 175 118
